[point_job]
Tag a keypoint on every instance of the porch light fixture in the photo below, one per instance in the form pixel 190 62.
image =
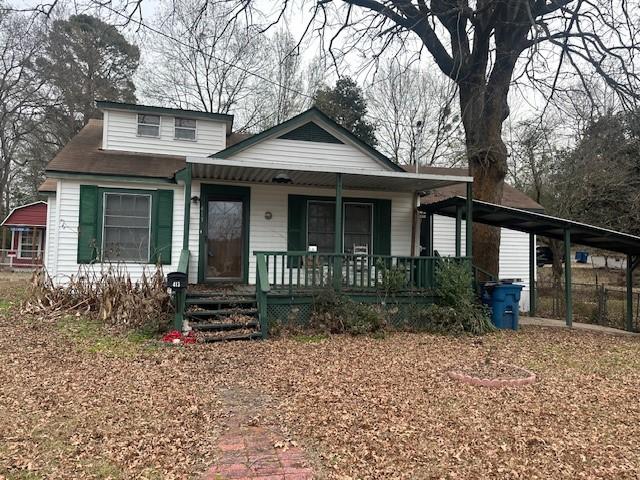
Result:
pixel 268 215
pixel 281 178
pixel 195 199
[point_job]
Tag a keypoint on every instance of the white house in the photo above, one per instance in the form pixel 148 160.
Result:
pixel 284 209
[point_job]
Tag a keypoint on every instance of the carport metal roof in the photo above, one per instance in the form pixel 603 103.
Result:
pixel 539 224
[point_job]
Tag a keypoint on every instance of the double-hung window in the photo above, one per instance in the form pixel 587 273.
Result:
pixel 126 227
pixel 148 125
pixel 357 226
pixel 29 244
pixel 185 129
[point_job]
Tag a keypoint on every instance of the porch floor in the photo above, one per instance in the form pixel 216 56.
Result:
pixel 222 290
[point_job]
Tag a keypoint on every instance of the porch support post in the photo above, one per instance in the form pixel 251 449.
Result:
pixel 187 207
pixel 339 239
pixel 469 224
pixel 458 231
pixel 567 278
pixel 532 274
pixel 429 236
pixel 629 322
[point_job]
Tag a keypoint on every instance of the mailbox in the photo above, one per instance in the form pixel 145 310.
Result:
pixel 177 281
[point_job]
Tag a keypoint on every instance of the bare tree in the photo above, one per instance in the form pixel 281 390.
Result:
pixel 485 47
pixel 284 97
pixel 416 124
pixel 22 95
pixel 204 61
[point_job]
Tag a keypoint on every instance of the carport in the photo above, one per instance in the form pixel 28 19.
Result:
pixel 540 224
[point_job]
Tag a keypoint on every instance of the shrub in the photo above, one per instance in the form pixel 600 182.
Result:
pixel 457 310
pixel 336 313
pixel 107 295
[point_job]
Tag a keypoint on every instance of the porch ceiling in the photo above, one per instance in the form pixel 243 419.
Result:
pixel 311 176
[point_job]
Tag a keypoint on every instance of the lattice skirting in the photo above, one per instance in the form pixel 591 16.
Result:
pixel 290 312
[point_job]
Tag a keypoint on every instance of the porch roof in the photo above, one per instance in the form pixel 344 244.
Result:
pixel 312 176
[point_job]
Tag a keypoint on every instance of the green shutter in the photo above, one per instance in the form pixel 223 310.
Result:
pixel 162 227
pixel 382 227
pixel 88 224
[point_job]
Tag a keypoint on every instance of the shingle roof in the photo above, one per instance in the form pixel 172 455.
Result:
pixel 510 196
pixel 83 155
pixel 48 186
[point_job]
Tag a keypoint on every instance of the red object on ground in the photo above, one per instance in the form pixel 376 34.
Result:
pixel 175 336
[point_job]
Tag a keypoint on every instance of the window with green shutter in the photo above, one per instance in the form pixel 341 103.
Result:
pixel 125 225
pixel 365 219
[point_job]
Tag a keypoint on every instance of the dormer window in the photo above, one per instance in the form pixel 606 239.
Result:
pixel 148 125
pixel 185 129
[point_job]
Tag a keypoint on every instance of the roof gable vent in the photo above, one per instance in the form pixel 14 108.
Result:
pixel 310 132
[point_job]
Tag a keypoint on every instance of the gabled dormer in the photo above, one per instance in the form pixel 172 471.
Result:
pixel 146 129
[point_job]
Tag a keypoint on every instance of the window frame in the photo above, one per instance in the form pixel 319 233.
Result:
pixel 195 130
pixel 344 218
pixel 138 124
pixel 102 226
pixel 38 244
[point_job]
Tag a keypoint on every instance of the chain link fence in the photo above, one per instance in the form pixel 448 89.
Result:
pixel 596 304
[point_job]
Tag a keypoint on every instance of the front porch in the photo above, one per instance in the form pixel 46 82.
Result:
pixel 385 268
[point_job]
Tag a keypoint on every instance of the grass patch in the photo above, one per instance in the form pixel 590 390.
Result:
pixel 4 305
pixel 311 338
pixel 92 337
pixel 105 469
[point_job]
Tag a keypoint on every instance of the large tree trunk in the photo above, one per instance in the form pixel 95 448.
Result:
pixel 484 109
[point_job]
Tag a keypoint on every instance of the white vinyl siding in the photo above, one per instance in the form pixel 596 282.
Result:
pixel 120 132
pixel 514 251
pixel 65 263
pixel 301 153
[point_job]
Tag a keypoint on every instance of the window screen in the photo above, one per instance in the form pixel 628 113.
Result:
pixel 357 227
pixel 126 227
pixel 321 225
pixel 148 125
pixel 185 129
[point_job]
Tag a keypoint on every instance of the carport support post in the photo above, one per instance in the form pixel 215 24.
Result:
pixel 469 224
pixel 629 322
pixel 567 277
pixel 458 231
pixel 532 275
pixel 339 241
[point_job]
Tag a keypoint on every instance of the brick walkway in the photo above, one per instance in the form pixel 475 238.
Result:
pixel 256 453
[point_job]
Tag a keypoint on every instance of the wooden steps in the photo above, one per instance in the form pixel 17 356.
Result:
pixel 223 316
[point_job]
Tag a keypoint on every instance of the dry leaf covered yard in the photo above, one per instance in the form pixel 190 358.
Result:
pixel 78 403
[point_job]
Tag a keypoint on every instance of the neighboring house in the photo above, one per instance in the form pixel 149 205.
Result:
pixel 514 245
pixel 26 225
pixel 150 185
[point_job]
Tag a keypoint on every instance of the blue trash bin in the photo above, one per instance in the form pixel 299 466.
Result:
pixel 503 298
pixel 581 257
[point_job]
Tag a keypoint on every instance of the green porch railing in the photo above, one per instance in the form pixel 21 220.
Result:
pixel 262 290
pixel 181 296
pixel 291 272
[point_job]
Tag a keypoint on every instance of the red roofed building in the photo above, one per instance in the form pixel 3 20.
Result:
pixel 26 225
